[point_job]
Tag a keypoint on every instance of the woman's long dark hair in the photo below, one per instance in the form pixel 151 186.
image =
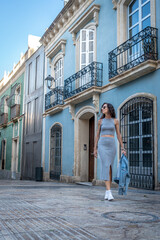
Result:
pixel 110 109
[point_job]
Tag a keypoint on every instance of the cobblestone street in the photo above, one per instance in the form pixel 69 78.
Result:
pixel 52 210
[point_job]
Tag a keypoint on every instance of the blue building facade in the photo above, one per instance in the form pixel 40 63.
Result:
pixel 100 51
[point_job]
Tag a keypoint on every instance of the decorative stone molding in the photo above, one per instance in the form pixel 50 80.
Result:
pixel 114 4
pixel 70 9
pixel 59 46
pixel 92 13
pixel 72 110
pixel 135 72
pixel 96 102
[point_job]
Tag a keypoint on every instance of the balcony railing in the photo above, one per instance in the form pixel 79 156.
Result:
pixel 89 76
pixel 54 97
pixel 141 47
pixel 14 99
pixel 3 114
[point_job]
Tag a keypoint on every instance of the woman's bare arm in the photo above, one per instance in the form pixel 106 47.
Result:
pixel 119 135
pixel 97 137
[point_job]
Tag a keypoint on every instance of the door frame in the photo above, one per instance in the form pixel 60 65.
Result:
pixel 77 143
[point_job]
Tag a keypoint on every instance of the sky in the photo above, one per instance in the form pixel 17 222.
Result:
pixel 18 19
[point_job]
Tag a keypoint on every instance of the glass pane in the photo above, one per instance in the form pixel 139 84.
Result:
pixel 134 115
pixel 83 58
pixel 133 31
pixel 83 35
pixel 133 19
pixel 90 57
pixel 146 128
pixel 146 112
pixel 143 1
pixel 147 143
pixel 134 160
pixel 134 129
pixel 133 6
pixel 91 46
pixel 146 10
pixel 147 160
pixel 134 144
pixel 91 35
pixel 83 46
pixel 146 23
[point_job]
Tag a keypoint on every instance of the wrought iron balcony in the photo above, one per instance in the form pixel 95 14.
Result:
pixel 54 97
pixel 14 99
pixel 14 103
pixel 3 114
pixel 141 47
pixel 89 76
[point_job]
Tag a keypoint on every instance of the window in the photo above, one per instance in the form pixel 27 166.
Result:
pixel 59 73
pixel 18 95
pixel 133 16
pixel 38 73
pixel 87 53
pixel 3 153
pixel 139 16
pixel 87 42
pixel 136 123
pixel 29 77
pixel 55 152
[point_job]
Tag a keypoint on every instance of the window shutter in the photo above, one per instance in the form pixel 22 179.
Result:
pixel 87 46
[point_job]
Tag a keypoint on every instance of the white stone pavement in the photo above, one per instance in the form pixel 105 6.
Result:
pixel 52 210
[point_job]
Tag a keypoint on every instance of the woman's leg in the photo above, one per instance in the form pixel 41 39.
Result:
pixel 108 183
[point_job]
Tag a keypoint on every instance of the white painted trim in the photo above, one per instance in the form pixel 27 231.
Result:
pixel 154 99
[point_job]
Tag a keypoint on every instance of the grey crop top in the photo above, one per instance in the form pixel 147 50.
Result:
pixel 107 127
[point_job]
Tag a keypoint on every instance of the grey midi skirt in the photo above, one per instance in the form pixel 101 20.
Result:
pixel 107 153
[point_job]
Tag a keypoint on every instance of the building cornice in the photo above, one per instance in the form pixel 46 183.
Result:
pixel 72 10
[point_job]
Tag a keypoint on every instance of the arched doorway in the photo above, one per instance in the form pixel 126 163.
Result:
pixel 55 151
pixel 85 163
pixel 137 129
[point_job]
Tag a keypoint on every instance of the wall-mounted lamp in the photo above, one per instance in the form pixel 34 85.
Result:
pixel 49 80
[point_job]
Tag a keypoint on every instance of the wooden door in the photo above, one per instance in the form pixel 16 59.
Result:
pixel 91 149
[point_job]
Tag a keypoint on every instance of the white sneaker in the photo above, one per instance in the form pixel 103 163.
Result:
pixel 110 197
pixel 106 195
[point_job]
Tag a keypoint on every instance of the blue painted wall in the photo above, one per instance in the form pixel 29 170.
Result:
pixel 106 42
pixel 146 84
pixel 67 123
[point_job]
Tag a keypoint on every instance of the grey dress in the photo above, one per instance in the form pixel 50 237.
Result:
pixel 106 147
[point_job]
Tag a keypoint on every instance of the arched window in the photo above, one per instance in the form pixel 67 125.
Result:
pixel 55 151
pixel 59 73
pixel 136 124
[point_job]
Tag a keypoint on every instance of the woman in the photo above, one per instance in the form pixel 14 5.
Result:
pixel 107 125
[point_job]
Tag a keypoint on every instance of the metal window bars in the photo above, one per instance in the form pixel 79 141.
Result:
pixel 136 124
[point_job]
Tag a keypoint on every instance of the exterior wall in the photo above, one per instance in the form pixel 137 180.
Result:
pixel 69 114
pixel 33 108
pixel 12 131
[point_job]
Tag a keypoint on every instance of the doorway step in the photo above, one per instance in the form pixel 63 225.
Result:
pixel 85 183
